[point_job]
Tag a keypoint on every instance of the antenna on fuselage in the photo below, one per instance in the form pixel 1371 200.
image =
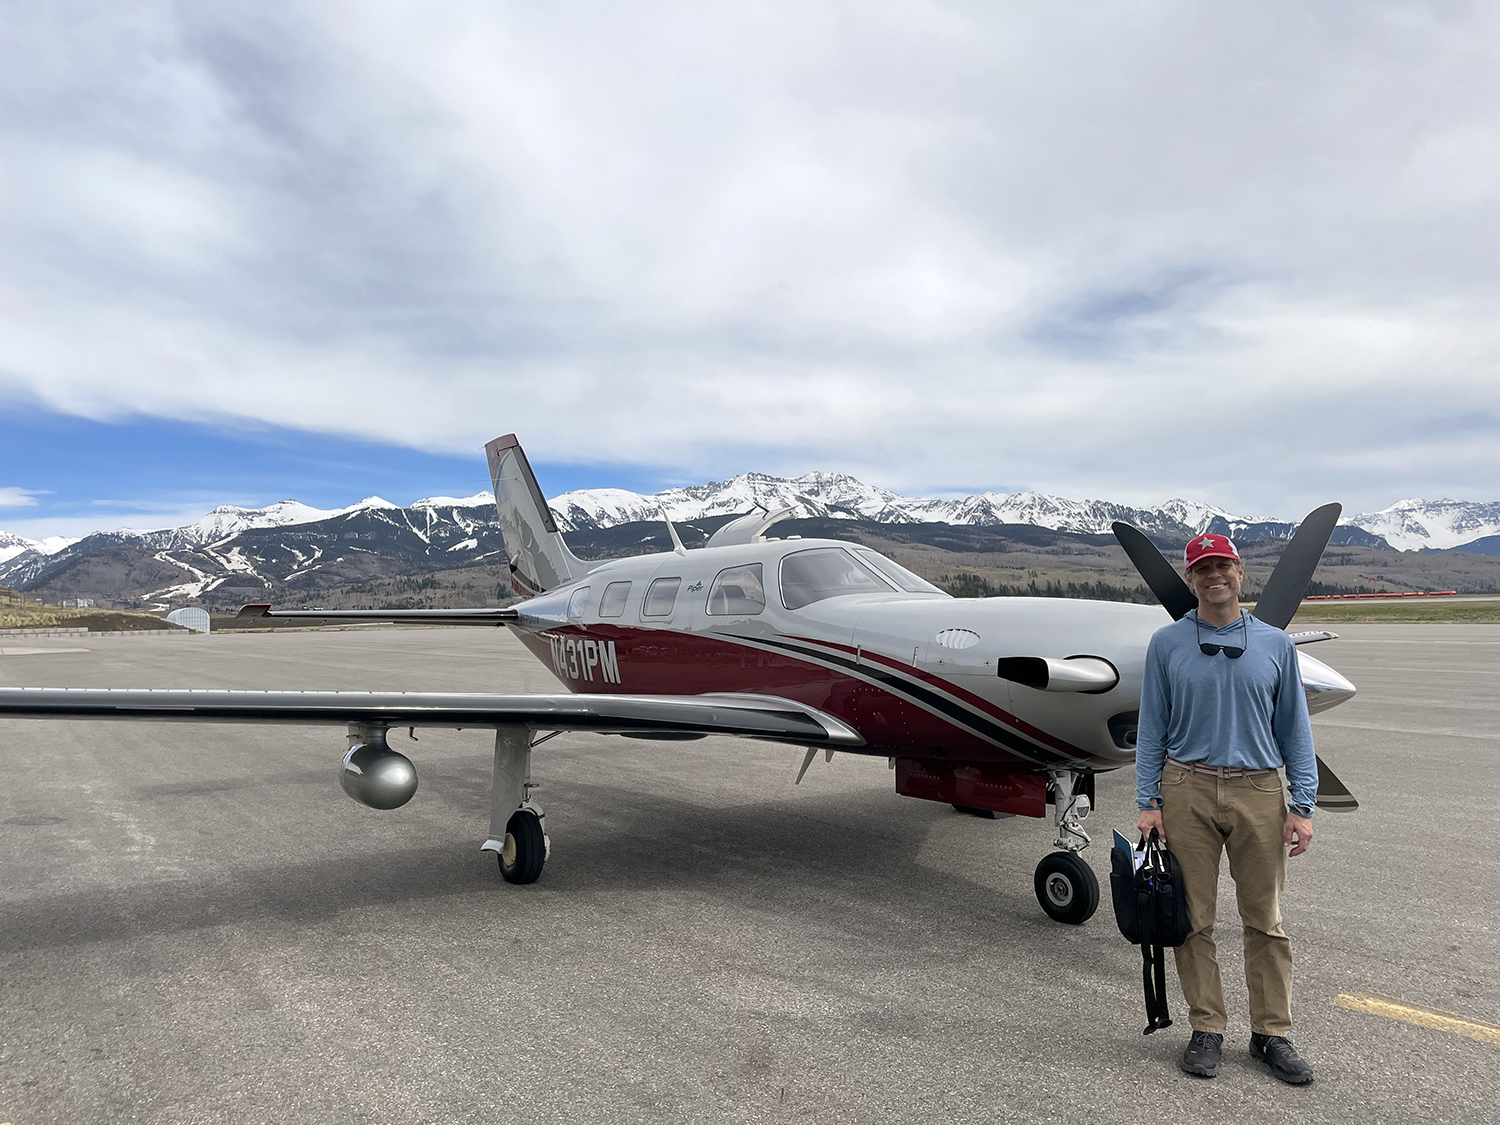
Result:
pixel 672 531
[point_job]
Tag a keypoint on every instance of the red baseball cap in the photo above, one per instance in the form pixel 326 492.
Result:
pixel 1209 547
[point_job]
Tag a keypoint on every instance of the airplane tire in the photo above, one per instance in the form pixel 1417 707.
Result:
pixel 1066 888
pixel 525 849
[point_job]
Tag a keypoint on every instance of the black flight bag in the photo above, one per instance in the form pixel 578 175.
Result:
pixel 1151 909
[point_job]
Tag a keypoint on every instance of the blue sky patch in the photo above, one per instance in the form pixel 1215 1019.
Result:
pixel 85 475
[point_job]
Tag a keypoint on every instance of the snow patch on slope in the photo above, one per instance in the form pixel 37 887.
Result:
pixel 1411 525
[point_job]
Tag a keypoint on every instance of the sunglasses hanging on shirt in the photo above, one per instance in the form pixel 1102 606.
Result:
pixel 1231 652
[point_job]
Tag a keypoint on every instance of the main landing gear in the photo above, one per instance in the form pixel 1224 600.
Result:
pixel 517 833
pixel 1065 884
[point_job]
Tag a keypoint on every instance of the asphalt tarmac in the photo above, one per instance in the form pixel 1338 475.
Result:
pixel 196 925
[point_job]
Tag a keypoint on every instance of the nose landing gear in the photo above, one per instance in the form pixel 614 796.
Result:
pixel 1066 886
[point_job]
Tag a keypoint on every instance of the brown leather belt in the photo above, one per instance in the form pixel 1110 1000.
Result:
pixel 1218 771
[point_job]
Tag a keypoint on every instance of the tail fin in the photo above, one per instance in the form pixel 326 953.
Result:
pixel 539 559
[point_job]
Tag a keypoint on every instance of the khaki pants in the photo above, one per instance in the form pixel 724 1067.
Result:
pixel 1203 816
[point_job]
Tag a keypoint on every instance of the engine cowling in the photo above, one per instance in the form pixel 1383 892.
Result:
pixel 378 776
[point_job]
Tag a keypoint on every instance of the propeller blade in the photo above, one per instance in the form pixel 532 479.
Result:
pixel 1333 794
pixel 1288 583
pixel 1160 575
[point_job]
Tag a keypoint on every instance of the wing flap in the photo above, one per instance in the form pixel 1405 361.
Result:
pixel 746 716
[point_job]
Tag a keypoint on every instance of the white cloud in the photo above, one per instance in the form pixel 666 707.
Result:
pixel 1243 252
pixel 17 498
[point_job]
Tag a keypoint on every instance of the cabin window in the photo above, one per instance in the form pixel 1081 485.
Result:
pixel 578 602
pixel 825 572
pixel 897 573
pixel 612 604
pixel 661 596
pixel 738 590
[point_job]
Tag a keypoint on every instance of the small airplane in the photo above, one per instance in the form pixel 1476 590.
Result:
pixel 996 706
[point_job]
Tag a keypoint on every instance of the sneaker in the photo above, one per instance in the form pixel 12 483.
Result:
pixel 1202 1054
pixel 1277 1052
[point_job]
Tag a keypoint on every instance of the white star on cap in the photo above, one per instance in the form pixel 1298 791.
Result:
pixel 1206 542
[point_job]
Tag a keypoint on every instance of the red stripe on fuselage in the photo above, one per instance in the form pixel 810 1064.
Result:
pixel 976 701
pixel 667 662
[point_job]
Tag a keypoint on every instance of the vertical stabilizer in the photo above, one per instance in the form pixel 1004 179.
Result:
pixel 539 559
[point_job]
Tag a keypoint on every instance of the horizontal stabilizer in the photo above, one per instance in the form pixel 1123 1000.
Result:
pixel 483 616
pixel 1312 636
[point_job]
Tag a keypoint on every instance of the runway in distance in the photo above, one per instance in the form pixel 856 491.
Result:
pixel 997 706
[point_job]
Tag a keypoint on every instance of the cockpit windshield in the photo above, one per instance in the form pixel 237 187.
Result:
pixel 897 573
pixel 825 572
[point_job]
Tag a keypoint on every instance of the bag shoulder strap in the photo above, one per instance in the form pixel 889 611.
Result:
pixel 1153 956
pixel 1154 983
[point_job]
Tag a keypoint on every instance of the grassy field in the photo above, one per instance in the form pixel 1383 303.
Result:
pixel 20 612
pixel 1412 611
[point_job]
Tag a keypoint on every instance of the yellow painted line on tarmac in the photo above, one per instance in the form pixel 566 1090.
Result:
pixel 1434 1018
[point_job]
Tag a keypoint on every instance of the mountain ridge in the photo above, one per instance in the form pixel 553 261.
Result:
pixel 1411 524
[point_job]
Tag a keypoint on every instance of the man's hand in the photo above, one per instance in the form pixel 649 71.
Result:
pixel 1149 819
pixel 1298 833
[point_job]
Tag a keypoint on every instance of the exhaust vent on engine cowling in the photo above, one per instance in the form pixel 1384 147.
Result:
pixel 1090 675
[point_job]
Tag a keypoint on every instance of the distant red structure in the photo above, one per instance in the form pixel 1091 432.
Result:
pixel 1407 594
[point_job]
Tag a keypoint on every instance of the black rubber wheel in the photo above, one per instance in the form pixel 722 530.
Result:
pixel 525 848
pixel 1066 888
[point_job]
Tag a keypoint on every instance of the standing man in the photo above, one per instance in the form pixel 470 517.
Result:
pixel 1222 710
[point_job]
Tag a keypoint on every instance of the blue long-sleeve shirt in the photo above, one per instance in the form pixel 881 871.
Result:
pixel 1249 713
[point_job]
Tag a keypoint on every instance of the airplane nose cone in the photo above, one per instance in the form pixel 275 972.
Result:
pixel 1325 688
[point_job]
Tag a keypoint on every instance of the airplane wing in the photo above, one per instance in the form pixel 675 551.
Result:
pixel 748 716
pixel 484 616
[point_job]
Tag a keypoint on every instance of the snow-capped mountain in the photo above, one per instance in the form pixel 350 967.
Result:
pixel 291 551
pixel 14 545
pixel 1411 525
pixel 223 523
pixel 813 495
pixel 839 496
pixel 238 554
pixel 227 521
pixel 466 526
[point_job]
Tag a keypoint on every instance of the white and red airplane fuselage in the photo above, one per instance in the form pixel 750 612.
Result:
pixel 915 672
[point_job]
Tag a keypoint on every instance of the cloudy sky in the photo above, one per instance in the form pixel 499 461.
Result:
pixel 1242 253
